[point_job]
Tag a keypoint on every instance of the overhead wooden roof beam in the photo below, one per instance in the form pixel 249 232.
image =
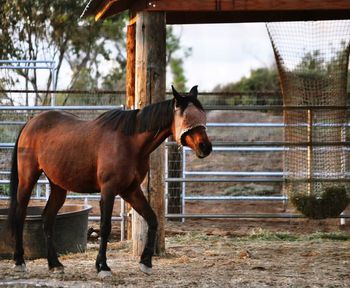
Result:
pixel 104 9
pixel 225 11
pixel 245 5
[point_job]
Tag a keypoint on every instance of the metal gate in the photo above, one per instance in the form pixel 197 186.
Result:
pixel 273 146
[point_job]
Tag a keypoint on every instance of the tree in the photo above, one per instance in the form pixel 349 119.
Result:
pixel 260 79
pixel 264 79
pixel 53 30
pixel 175 62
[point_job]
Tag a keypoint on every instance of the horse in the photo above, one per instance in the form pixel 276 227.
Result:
pixel 109 154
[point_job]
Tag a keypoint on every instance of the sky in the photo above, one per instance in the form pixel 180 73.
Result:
pixel 223 53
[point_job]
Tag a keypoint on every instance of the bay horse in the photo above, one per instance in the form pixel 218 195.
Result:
pixel 109 154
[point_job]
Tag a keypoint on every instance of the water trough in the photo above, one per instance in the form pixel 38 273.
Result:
pixel 70 232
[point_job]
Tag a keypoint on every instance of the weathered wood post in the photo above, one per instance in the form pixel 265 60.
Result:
pixel 130 91
pixel 150 88
pixel 130 65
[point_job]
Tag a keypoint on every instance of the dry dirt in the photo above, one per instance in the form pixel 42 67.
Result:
pixel 211 255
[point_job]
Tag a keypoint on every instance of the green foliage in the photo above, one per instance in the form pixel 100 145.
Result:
pixel 179 79
pixel 311 67
pixel 176 62
pixel 4 190
pixel 334 236
pixel 265 235
pixel 53 30
pixel 256 234
pixel 260 79
pixel 311 62
pixel 330 203
pixel 249 189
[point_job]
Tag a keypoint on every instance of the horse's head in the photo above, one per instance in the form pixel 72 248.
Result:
pixel 189 126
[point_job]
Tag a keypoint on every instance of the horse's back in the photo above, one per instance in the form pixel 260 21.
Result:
pixel 59 144
pixel 50 119
pixel 49 128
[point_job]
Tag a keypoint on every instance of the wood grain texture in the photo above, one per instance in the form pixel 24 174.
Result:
pixel 245 5
pixel 130 65
pixel 150 88
pixel 229 11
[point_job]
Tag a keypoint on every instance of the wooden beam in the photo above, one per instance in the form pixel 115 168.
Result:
pixel 130 90
pixel 245 5
pixel 150 88
pixel 108 8
pixel 254 16
pixel 103 9
pixel 130 65
pixel 226 11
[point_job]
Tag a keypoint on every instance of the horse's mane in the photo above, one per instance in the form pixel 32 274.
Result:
pixel 152 117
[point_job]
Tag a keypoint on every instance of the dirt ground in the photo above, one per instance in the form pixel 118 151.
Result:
pixel 213 253
pixel 216 253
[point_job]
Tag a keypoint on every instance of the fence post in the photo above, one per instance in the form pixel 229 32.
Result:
pixel 174 188
pixel 150 88
pixel 130 96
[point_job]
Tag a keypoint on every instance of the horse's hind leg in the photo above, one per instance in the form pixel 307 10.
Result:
pixel 25 187
pixel 138 201
pixel 106 206
pixel 55 202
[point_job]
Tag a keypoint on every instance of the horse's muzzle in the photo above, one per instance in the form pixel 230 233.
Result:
pixel 204 149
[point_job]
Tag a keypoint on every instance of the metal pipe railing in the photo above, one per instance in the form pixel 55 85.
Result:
pixel 271 125
pixel 251 147
pixel 45 108
pixel 272 107
pixel 233 173
pixel 236 146
pixel 274 144
pixel 236 198
pixel 260 180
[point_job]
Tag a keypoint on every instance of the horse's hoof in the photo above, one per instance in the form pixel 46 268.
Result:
pixel 20 268
pixel 57 270
pixel 103 274
pixel 145 269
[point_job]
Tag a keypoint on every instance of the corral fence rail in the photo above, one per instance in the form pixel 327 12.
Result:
pixel 88 104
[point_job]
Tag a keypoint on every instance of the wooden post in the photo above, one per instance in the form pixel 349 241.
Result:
pixel 130 66
pixel 130 93
pixel 150 88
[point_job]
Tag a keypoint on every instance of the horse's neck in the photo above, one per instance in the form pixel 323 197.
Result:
pixel 151 140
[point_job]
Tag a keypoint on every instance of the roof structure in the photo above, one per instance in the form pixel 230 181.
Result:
pixel 225 11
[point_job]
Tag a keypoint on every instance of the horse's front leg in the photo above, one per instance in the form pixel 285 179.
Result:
pixel 106 206
pixel 138 201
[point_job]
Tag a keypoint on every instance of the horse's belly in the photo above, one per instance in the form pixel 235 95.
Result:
pixel 73 179
pixel 76 185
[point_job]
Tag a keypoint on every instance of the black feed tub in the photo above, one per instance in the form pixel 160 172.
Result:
pixel 70 232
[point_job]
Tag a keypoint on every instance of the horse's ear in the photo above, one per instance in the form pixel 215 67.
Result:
pixel 177 96
pixel 194 91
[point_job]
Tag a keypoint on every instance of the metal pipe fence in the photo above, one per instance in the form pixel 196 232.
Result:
pixel 187 174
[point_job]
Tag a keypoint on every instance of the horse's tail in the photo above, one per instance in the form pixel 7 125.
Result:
pixel 13 188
